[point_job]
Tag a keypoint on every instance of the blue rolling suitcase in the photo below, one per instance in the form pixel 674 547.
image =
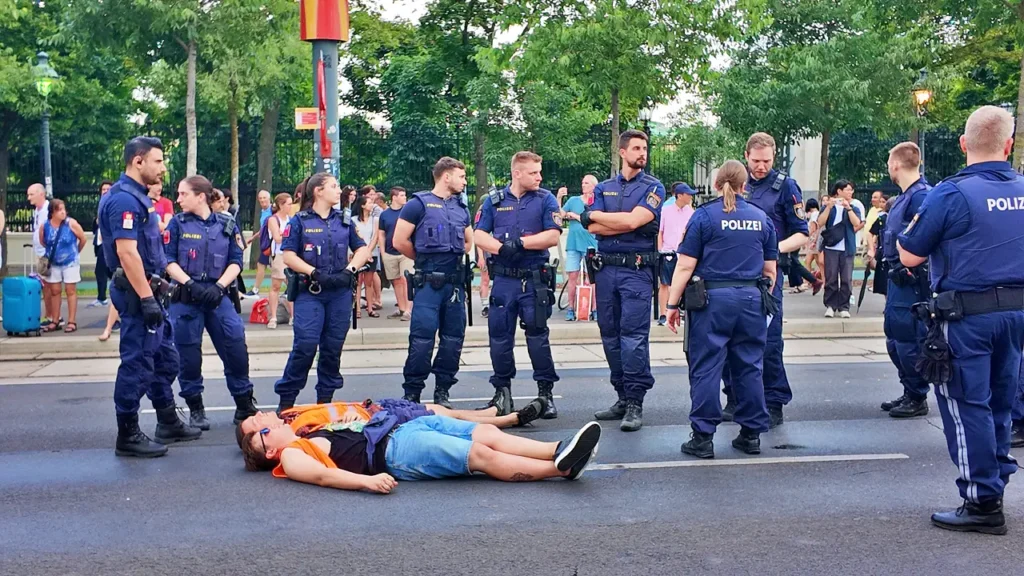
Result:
pixel 21 300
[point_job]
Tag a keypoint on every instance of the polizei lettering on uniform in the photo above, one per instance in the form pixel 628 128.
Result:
pixel 1005 204
pixel 754 225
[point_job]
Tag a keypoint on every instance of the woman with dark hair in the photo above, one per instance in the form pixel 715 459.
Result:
pixel 297 197
pixel 204 258
pixel 316 246
pixel 366 227
pixel 63 239
pixel 729 251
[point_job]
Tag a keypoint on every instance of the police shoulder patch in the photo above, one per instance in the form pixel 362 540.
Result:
pixel 653 200
pixel 911 225
pixel 239 241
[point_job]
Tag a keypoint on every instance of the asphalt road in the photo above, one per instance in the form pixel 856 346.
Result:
pixel 69 506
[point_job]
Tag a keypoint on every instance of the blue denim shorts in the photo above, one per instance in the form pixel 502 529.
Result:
pixel 573 261
pixel 430 447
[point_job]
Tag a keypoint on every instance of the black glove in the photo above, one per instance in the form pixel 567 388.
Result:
pixel 510 248
pixel 212 295
pixel 935 364
pixel 317 275
pixel 769 307
pixel 345 279
pixel 152 313
pixel 649 230
pixel 585 218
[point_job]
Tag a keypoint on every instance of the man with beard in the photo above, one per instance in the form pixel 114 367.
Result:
pixel 134 248
pixel 625 216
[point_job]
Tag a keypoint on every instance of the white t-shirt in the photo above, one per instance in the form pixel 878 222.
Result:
pixel 39 218
pixel 282 222
pixel 366 231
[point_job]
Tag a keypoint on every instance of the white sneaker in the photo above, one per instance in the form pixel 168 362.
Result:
pixel 829 312
pixel 844 314
pixel 272 324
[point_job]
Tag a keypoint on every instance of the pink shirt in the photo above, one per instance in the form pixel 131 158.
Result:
pixel 673 224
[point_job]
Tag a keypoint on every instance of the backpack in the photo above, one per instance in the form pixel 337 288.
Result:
pixel 266 240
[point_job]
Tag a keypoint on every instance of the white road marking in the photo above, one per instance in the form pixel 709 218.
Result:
pixel 748 461
pixel 274 406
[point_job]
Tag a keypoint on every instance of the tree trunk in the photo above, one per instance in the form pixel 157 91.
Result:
pixel 233 120
pixel 480 162
pixel 1018 137
pixel 615 134
pixel 265 166
pixel 826 137
pixel 190 111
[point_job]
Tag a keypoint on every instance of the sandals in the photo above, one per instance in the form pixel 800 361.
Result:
pixel 104 336
pixel 71 327
pixel 51 327
pixel 373 314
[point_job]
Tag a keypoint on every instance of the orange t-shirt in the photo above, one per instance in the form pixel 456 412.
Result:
pixel 306 419
pixel 309 448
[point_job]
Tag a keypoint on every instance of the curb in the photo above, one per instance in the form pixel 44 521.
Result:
pixel 280 340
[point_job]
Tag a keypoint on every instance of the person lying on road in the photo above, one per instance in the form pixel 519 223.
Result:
pixel 309 418
pixel 376 456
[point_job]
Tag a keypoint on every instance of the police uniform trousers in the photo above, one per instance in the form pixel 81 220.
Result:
pixel 976 403
pixel 511 301
pixel 1018 404
pixel 624 318
pixel 903 336
pixel 731 331
pixel 321 320
pixel 436 312
pixel 776 384
pixel 228 337
pixel 149 361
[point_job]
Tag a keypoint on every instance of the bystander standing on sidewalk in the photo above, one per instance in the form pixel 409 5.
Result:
pixel 162 206
pixel 36 196
pixel 395 264
pixel 102 272
pixel 276 225
pixel 485 275
pixel 839 223
pixel 577 241
pixel 264 259
pixel 674 218
pixel 63 239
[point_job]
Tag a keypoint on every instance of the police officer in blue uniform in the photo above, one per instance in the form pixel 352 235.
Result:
pixel 133 247
pixel 970 231
pixel 204 257
pixel 517 227
pixel 625 216
pixel 433 229
pixel 906 286
pixel 781 199
pixel 1017 432
pixel 727 267
pixel 316 244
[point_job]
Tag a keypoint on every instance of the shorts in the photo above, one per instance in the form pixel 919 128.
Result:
pixel 396 266
pixel 404 410
pixel 264 259
pixel 70 274
pixel 668 267
pixel 277 268
pixel 573 261
pixel 430 447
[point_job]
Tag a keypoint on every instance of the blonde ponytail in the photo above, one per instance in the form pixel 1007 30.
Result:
pixel 728 198
pixel 729 181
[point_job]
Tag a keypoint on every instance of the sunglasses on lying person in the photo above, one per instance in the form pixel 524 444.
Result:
pixel 263 433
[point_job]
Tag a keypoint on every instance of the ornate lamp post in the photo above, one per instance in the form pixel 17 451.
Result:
pixel 45 76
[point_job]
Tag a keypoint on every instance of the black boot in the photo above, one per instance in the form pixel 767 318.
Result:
pixel 1017 434
pixel 615 412
pixel 729 412
pixel 131 442
pixel 545 390
pixel 285 403
pixel 532 411
pixel 170 428
pixel 324 398
pixel 775 416
pixel 412 397
pixel 748 441
pixel 502 400
pixel 910 408
pixel 887 406
pixel 245 406
pixel 986 518
pixel 700 445
pixel 634 417
pixel 197 412
pixel 441 398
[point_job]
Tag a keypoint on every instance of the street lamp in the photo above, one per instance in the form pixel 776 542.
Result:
pixel 644 115
pixel 45 77
pixel 922 97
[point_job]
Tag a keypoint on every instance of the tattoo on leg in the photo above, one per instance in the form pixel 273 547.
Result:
pixel 521 477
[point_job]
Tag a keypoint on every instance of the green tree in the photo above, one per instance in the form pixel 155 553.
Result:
pixel 626 54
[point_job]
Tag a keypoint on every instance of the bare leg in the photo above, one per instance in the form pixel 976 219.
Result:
pixel 479 416
pixel 261 271
pixel 72 292
pixel 53 293
pixel 272 299
pixel 377 290
pixel 574 280
pixel 497 440
pixel 401 293
pixel 509 467
pixel 662 298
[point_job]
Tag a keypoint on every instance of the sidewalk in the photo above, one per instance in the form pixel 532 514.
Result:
pixel 270 365
pixel 803 314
